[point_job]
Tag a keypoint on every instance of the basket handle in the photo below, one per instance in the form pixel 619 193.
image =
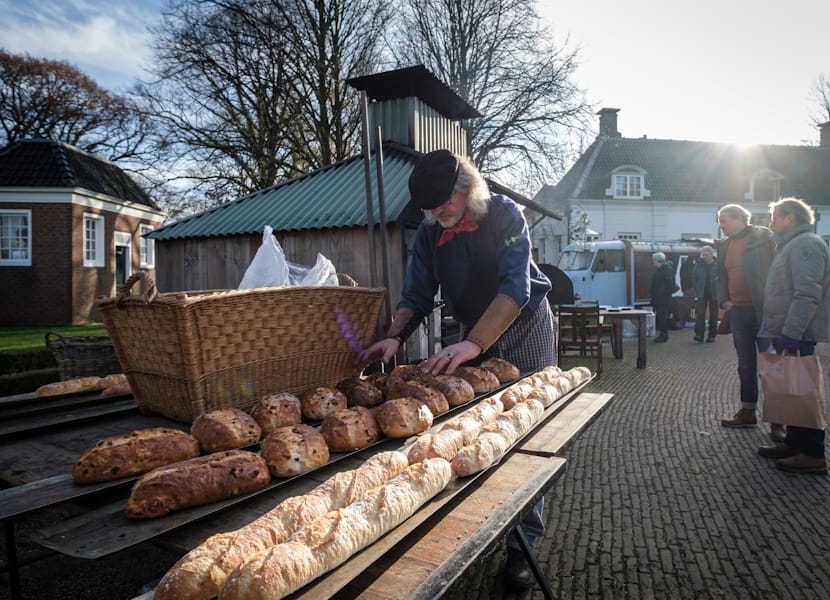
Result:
pixel 150 292
pixel 58 337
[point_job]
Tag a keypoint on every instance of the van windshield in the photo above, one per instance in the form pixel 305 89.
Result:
pixel 575 261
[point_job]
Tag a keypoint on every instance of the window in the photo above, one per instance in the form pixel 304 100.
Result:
pixel 93 240
pixel 628 182
pixel 628 186
pixel 147 247
pixel 628 235
pixel 16 238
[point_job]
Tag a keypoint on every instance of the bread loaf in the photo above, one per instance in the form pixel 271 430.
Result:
pixel 497 437
pixel 433 398
pixel 515 393
pixel 200 573
pixel 293 450
pixel 403 417
pixel 133 453
pixel 111 380
pixel 277 410
pixel 70 386
pixel 118 389
pixel 457 391
pixel 196 481
pixel 321 401
pixel 350 429
pixel 312 551
pixel 360 392
pixel 503 369
pixel 379 381
pixel 225 429
pixel 455 433
pixel 482 380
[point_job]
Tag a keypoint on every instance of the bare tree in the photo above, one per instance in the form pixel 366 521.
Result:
pixel 41 98
pixel 497 56
pixel 821 96
pixel 251 92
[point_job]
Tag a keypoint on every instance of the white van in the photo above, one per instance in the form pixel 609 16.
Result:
pixel 618 272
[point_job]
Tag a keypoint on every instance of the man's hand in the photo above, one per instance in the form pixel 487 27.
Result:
pixel 451 357
pixel 786 345
pixel 385 349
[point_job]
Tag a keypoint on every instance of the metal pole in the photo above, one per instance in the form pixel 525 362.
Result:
pixel 367 175
pixel 384 253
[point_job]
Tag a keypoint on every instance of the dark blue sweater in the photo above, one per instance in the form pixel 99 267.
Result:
pixel 475 266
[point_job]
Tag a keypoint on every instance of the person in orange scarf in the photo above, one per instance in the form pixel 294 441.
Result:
pixel 475 246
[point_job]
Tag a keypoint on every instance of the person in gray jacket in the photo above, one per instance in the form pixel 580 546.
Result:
pixel 797 316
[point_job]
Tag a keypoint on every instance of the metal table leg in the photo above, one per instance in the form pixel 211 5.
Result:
pixel 534 564
pixel 11 556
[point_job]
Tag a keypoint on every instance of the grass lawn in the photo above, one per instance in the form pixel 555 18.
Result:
pixel 24 337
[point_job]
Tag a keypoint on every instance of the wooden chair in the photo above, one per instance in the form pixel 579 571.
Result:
pixel 580 333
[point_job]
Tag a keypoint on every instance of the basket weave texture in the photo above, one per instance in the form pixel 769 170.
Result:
pixel 82 356
pixel 185 354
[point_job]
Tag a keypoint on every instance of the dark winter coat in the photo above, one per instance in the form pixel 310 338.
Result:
pixel 662 284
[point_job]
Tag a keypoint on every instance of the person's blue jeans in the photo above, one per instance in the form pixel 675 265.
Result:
pixel 532 524
pixel 807 441
pixel 744 326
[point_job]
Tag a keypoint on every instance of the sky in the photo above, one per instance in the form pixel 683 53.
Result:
pixel 736 71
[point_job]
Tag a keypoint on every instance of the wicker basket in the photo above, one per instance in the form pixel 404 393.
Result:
pixel 82 356
pixel 189 353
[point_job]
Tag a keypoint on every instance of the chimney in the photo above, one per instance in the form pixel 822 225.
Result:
pixel 824 134
pixel 608 122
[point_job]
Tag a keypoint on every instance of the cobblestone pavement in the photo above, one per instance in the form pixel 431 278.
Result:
pixel 660 501
pixel 657 501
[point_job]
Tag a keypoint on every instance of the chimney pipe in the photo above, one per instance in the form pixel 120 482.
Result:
pixel 608 122
pixel 824 134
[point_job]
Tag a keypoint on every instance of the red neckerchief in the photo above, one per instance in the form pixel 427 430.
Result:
pixel 464 225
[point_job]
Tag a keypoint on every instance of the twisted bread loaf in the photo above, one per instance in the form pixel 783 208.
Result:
pixel 455 433
pixel 331 540
pixel 199 574
pixel 496 439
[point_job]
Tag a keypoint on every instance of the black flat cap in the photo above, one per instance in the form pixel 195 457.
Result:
pixel 433 179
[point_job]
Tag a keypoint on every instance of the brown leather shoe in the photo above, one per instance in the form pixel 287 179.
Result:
pixel 802 463
pixel 777 432
pixel 777 451
pixel 743 418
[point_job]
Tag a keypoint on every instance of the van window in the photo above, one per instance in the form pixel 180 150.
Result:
pixel 575 261
pixel 610 261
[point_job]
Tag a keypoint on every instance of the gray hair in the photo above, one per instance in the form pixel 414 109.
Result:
pixel 796 207
pixel 736 211
pixel 470 182
pixel 707 250
pixel 658 257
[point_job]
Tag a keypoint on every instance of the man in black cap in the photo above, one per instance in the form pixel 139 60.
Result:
pixel 476 247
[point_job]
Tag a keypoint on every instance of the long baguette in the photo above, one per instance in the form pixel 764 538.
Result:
pixel 199 574
pixel 273 573
pixel 497 437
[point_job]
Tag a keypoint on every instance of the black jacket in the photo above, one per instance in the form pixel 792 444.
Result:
pixel 662 284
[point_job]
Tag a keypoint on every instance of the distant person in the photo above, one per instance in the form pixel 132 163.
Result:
pixel 661 290
pixel 704 282
pixel 744 258
pixel 796 316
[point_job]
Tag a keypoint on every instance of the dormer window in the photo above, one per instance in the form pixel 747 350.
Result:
pixel 628 182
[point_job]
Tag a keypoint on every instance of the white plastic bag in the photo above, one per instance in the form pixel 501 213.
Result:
pixel 269 267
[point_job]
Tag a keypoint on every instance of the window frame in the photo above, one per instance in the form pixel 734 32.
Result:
pixel 96 261
pixel 629 179
pixel 18 262
pixel 146 247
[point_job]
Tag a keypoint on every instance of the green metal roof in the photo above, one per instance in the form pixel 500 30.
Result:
pixel 331 197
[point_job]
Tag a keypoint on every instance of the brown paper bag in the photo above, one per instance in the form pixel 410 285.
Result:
pixel 793 389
